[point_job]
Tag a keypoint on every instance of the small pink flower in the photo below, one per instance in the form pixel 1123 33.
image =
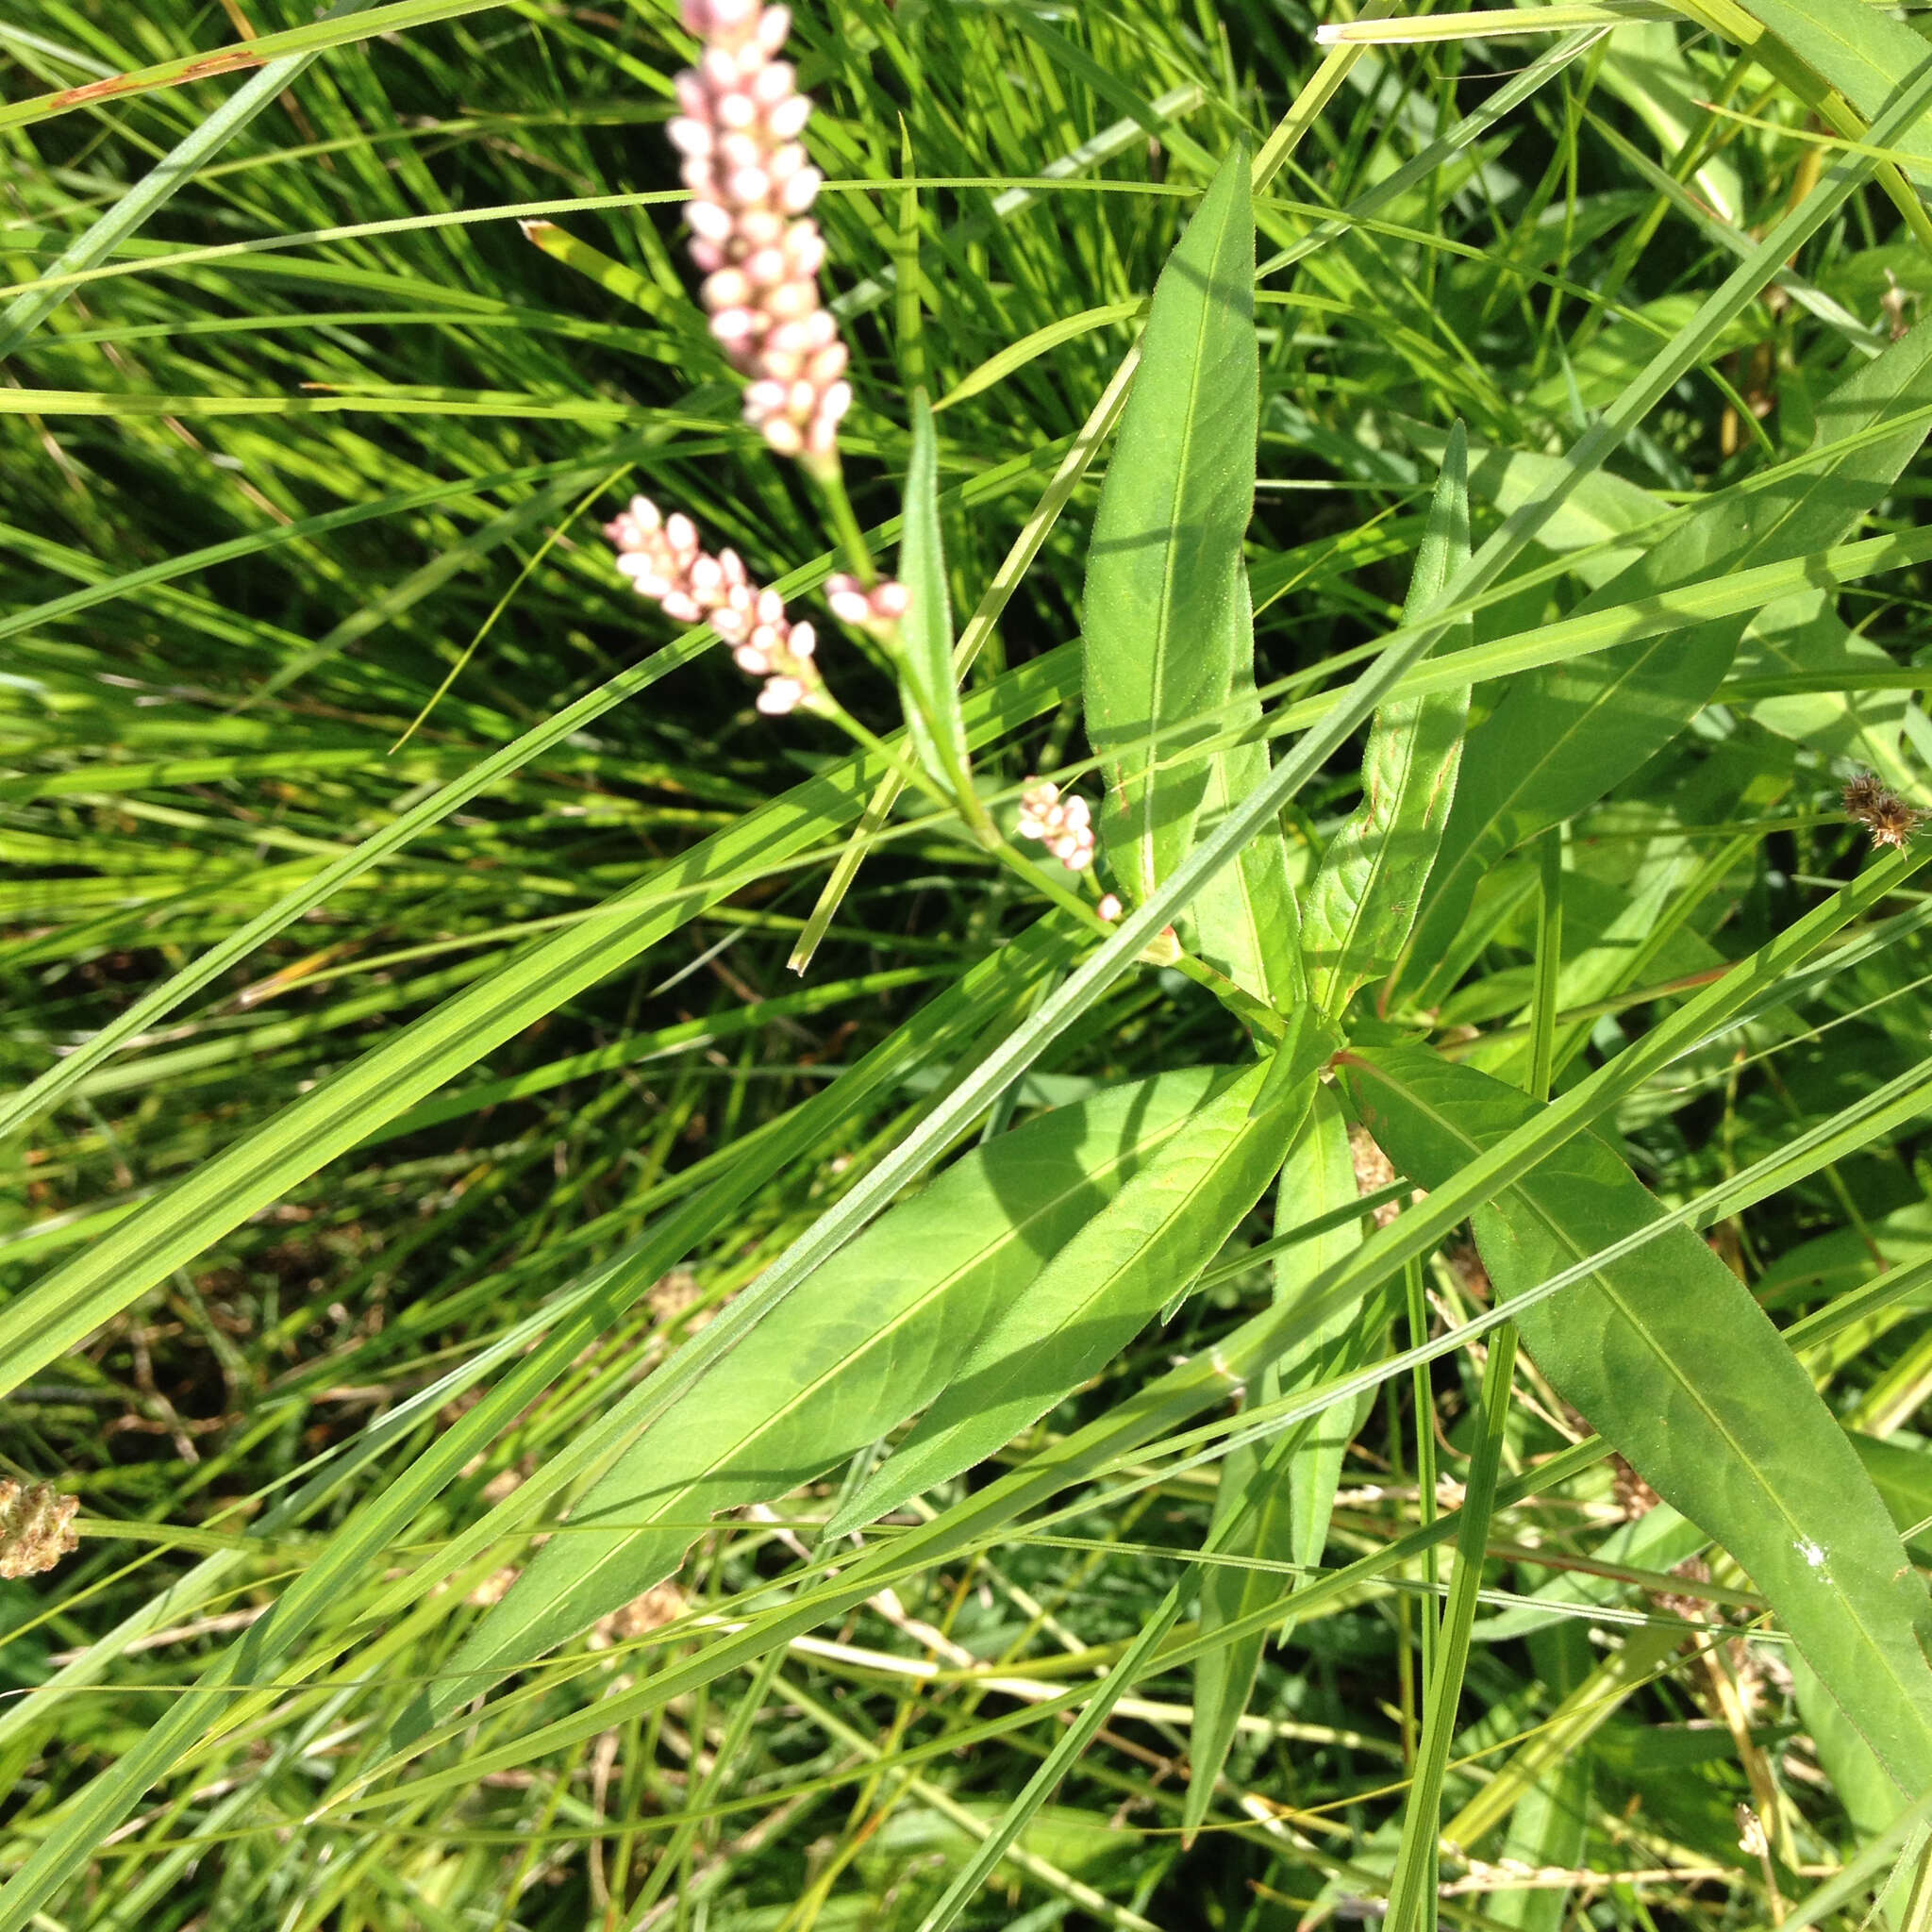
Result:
pixel 661 556
pixel 751 187
pixel 1109 907
pixel 1064 825
pixel 879 610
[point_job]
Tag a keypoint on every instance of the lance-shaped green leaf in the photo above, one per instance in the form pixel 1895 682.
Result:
pixel 830 1369
pixel 1865 53
pixel 927 684
pixel 1670 1357
pixel 1244 923
pixel 1561 737
pixel 1111 1277
pixel 1275 1506
pixel 1164 571
pixel 1364 899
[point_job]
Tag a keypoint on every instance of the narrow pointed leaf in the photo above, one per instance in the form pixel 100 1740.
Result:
pixel 1363 901
pixel 1098 1291
pixel 925 637
pixel 1560 738
pixel 1285 1494
pixel 1666 1353
pixel 1163 573
pixel 1244 923
pixel 830 1369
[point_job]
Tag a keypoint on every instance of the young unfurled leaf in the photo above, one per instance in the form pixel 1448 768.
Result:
pixel 1164 571
pixel 1363 901
pixel 1666 1353
pixel 930 691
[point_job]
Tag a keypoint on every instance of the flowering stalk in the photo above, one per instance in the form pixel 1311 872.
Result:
pixel 661 556
pixel 761 253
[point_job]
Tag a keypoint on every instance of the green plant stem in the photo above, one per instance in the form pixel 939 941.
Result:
pixel 845 529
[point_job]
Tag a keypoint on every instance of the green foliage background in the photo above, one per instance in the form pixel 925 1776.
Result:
pixel 407 1081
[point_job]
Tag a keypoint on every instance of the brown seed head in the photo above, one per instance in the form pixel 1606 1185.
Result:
pixel 36 1527
pixel 1883 813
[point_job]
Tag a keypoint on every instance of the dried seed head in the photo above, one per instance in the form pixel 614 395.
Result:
pixel 1882 813
pixel 36 1527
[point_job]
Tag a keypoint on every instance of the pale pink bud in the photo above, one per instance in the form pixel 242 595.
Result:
pixel 718 72
pixel 735 328
pixel 802 191
pixel 759 227
pixel 763 267
pixel 765 398
pixel 829 365
pixel 802 641
pixel 729 289
pixel 739 149
pixel 699 177
pixel 805 248
pixel 1079 860
pixel 707 255
pixel 1109 907
pixel 690 135
pixel 791 298
pixel 774 24
pixel 709 221
pixel 891 600
pixel 771 83
pixel 748 184
pixel 771 607
pixel 835 401
pixel 847 602
pixel 784 436
pixel 780 694
pixel 680 532
pixel 706 577
pixel 680 608
pixel 788 118
pixel 784 162
pixel 749 658
pixel 691 96
pixel 733 567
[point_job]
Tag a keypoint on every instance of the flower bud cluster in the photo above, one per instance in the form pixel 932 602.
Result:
pixel 1064 825
pixel 759 252
pixel 36 1527
pixel 661 556
pixel 879 610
